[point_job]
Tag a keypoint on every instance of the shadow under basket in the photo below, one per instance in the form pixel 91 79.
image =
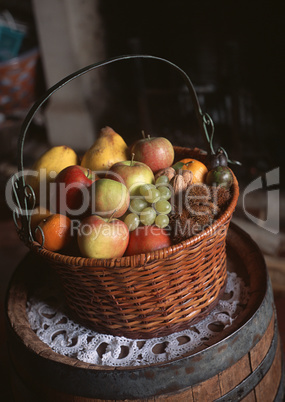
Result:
pixel 153 294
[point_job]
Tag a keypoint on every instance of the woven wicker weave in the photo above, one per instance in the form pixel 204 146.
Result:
pixel 147 295
pixel 153 294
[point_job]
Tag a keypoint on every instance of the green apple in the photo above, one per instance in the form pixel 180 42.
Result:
pixel 133 174
pixel 102 238
pixel 109 198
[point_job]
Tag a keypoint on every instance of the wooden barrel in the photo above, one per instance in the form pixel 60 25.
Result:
pixel 244 362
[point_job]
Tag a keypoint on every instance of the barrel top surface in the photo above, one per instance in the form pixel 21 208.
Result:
pixel 119 383
pixel 244 257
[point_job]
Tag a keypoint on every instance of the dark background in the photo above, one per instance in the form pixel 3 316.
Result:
pixel 235 48
pixel 233 53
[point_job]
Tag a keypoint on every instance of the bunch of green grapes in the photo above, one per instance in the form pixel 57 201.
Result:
pixel 152 206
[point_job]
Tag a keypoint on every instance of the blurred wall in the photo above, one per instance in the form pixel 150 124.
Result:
pixel 70 37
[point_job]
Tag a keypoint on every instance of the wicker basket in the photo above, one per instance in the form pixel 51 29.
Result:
pixel 147 295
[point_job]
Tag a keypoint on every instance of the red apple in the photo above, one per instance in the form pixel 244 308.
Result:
pixel 102 238
pixel 71 190
pixel 109 198
pixel 155 152
pixel 132 173
pixel 145 239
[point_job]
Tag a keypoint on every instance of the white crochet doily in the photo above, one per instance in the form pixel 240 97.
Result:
pixel 47 317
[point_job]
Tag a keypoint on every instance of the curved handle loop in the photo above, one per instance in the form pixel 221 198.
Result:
pixel 24 196
pixel 203 119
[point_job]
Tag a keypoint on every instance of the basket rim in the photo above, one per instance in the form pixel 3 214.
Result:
pixel 138 260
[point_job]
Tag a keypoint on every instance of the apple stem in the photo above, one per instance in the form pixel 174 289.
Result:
pixel 112 215
pixel 143 133
pixel 132 160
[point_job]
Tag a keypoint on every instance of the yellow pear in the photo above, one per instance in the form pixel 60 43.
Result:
pixel 46 167
pixel 108 149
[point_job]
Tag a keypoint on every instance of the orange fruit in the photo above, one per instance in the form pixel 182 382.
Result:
pixel 38 214
pixel 56 229
pixel 198 169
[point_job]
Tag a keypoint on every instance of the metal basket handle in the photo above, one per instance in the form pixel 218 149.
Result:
pixel 23 193
pixel 204 119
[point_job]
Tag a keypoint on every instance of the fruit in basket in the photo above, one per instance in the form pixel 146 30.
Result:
pixel 198 169
pixel 132 221
pixel 137 204
pixel 107 196
pixel 153 201
pixel 54 232
pixel 145 239
pixel 168 172
pixel 150 193
pixel 162 221
pixel 108 149
pixel 39 213
pixel 165 192
pixel 218 159
pixel 47 167
pixel 156 152
pixel 162 183
pixel 220 176
pixel 147 216
pixel 181 181
pixel 132 173
pixel 71 192
pixel 162 207
pixel 102 238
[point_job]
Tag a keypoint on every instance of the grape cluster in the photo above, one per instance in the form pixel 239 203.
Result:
pixel 152 206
